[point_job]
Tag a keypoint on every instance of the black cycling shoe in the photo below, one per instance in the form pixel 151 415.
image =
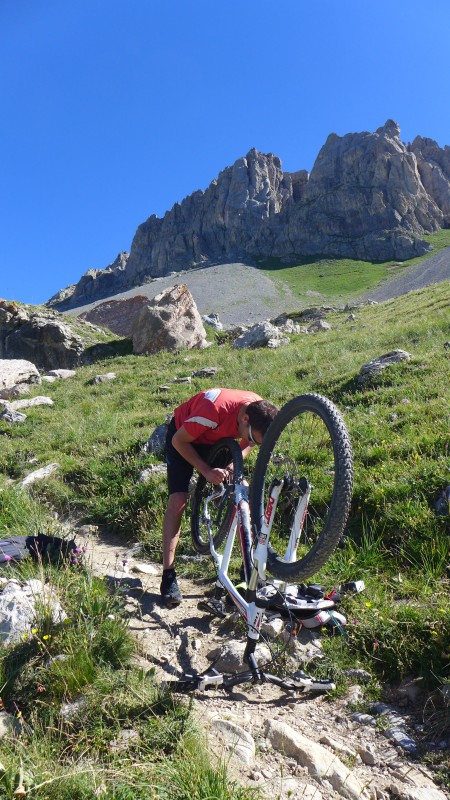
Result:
pixel 170 591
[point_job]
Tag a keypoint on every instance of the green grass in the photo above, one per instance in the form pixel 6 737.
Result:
pixel 396 543
pixel 341 280
pixel 86 662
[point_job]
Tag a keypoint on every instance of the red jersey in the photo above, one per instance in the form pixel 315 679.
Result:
pixel 213 415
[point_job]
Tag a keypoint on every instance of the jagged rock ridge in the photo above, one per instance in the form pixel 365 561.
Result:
pixel 369 196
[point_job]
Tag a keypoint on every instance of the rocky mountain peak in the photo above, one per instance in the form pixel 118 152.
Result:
pixel 369 196
pixel 390 129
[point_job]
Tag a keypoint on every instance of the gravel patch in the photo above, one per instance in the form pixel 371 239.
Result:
pixel 238 293
pixel 434 270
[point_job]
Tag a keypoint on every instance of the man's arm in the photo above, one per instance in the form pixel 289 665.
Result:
pixel 182 441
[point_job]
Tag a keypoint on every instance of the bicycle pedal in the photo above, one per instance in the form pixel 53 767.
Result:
pixel 214 607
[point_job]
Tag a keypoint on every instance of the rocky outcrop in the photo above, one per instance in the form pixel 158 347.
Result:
pixel 41 338
pixel 433 164
pixel 369 196
pixel 116 315
pixel 94 284
pixel 47 340
pixel 170 321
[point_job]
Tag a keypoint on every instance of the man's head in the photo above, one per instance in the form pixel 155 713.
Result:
pixel 255 420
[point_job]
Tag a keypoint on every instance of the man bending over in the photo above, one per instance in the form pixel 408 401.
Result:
pixel 196 425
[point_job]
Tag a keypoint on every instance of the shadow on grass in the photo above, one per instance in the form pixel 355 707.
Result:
pixel 112 349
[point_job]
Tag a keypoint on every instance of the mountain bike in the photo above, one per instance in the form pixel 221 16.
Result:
pixel 289 524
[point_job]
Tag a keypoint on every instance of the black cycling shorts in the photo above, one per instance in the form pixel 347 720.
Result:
pixel 179 471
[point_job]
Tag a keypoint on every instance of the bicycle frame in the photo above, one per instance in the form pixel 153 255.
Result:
pixel 254 550
pixel 251 607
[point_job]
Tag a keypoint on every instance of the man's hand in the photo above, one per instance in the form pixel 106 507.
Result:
pixel 216 475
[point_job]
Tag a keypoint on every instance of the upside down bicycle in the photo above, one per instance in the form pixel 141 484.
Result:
pixel 288 525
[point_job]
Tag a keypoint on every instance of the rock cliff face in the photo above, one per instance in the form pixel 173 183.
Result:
pixel 368 196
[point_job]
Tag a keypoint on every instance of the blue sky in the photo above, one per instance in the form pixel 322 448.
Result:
pixel 112 110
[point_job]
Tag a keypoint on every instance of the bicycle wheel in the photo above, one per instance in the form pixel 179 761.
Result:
pixel 308 447
pixel 225 452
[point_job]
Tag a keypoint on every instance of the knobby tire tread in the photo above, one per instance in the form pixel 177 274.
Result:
pixel 334 526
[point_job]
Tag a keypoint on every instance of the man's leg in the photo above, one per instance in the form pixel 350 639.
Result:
pixel 172 526
pixel 170 591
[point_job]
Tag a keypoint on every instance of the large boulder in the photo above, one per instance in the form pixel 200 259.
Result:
pixel 171 321
pixel 14 373
pixel 116 315
pixel 39 337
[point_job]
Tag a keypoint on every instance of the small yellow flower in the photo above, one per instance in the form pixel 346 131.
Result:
pixel 434 633
pixel 47 636
pixel 34 630
pixel 368 605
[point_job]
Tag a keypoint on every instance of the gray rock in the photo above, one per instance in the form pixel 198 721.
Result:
pixel 127 738
pixel 239 741
pixel 368 756
pixel 9 725
pixel 319 325
pixel 14 392
pixel 373 368
pixel 41 338
pixel 71 710
pixel 146 569
pixel 9 415
pixel 61 374
pixel 106 378
pixel 360 675
pixel 206 372
pixel 156 443
pixel 170 321
pixel 433 164
pixel 19 608
pixel 14 373
pixel 39 474
pixel 338 747
pixel 319 761
pixel 230 657
pixel 262 335
pixel 363 719
pixel 400 738
pixel 30 402
pixel 213 321
pixel 148 473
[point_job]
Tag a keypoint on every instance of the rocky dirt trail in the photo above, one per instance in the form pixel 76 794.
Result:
pixel 308 746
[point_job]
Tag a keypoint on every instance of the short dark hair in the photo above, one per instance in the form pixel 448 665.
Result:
pixel 260 415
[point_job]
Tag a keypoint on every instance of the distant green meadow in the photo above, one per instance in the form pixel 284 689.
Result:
pixel 343 279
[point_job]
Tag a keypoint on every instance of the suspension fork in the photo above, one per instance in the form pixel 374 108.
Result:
pixel 260 555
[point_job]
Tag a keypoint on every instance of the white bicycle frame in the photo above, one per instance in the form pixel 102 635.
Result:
pixel 255 554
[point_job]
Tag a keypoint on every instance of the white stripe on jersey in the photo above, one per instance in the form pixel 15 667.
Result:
pixel 208 423
pixel 212 394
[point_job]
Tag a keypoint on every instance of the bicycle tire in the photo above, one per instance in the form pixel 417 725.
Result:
pixel 222 453
pixel 313 430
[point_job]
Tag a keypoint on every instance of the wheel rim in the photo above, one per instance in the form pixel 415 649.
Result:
pixel 302 455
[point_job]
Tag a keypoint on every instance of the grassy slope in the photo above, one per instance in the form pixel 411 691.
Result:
pixel 400 430
pixel 341 280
